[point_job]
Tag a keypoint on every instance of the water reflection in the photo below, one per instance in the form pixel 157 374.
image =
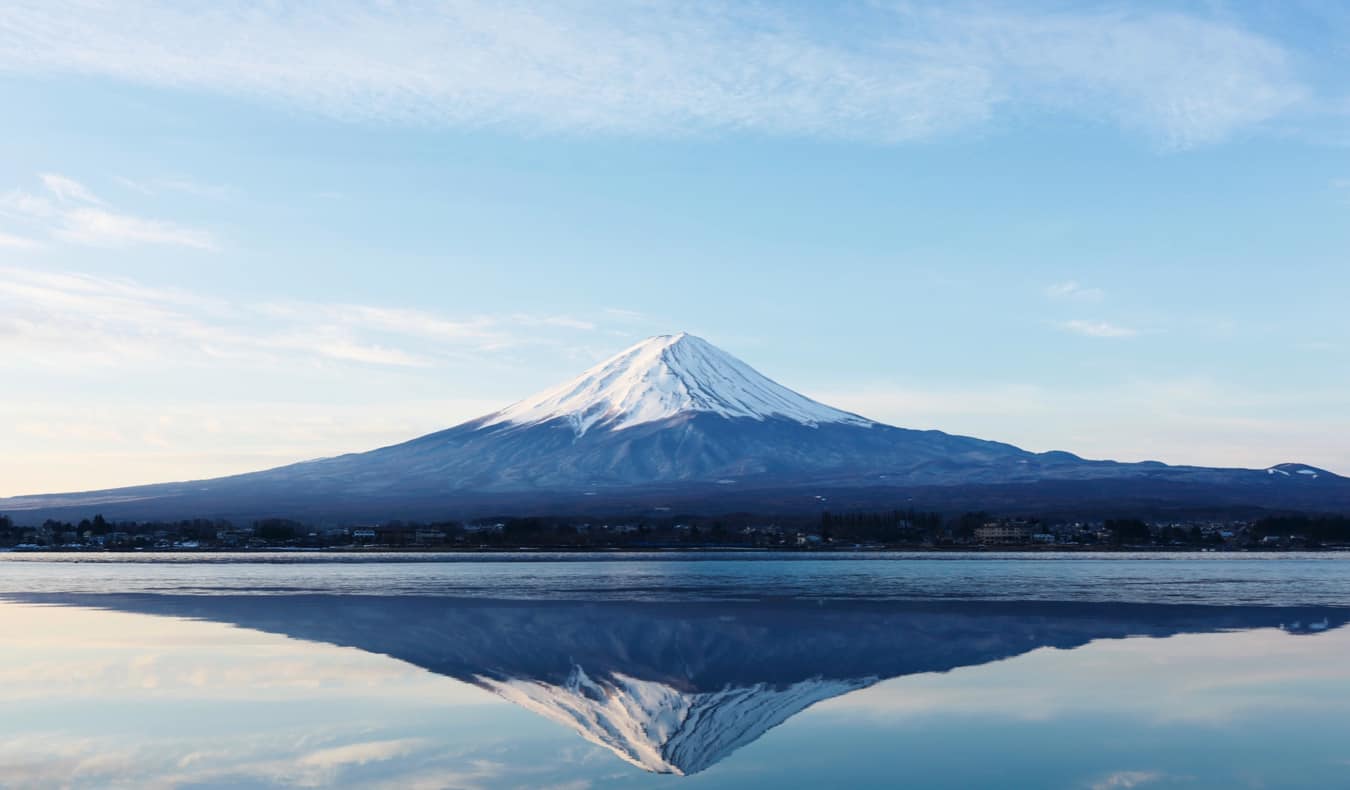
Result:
pixel 676 688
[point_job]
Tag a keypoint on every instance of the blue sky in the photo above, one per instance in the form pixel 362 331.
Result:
pixel 233 236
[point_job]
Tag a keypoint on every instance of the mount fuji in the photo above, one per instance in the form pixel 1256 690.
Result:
pixel 674 421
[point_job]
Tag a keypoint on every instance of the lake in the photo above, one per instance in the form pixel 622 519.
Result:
pixel 675 670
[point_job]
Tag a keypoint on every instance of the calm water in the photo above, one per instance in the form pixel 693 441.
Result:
pixel 712 670
pixel 1221 579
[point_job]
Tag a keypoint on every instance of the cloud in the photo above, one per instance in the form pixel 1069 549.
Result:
pixel 78 216
pixel 339 376
pixel 1097 328
pixel 562 321
pixel 348 350
pixel 8 241
pixel 99 228
pixel 1123 780
pixel 360 753
pixel 1124 67
pixel 26 207
pixel 67 190
pixel 869 71
pixel 337 320
pixel 1071 290
pixel 80 320
pixel 186 186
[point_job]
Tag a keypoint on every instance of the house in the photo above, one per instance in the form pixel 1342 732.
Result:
pixel 429 537
pixel 995 534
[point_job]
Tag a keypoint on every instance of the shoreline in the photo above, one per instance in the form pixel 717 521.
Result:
pixel 529 550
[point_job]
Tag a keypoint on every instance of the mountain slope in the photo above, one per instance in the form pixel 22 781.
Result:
pixel 674 419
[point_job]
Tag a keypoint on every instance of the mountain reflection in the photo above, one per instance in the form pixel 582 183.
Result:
pixel 677 687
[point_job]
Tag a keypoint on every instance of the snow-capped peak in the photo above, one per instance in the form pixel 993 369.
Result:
pixel 654 726
pixel 662 377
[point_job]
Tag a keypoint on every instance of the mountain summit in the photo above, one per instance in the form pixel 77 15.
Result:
pixel 676 422
pixel 663 377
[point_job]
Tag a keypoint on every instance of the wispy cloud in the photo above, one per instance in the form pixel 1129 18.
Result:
pixel 71 212
pixel 1097 328
pixel 1123 780
pixel 667 68
pixel 1072 290
pixel 99 228
pixel 67 190
pixel 8 241
pixel 359 754
pixel 21 206
pixel 186 186
pixel 59 318
pixel 561 321
pixel 623 314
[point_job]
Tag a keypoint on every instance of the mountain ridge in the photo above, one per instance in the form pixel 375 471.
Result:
pixel 675 416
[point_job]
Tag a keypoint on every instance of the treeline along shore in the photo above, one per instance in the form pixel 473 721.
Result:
pixel 895 529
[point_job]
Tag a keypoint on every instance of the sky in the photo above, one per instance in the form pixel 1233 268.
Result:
pixel 234 236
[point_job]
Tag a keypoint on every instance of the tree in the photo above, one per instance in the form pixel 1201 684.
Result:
pixel 965 528
pixel 1128 531
pixel 276 529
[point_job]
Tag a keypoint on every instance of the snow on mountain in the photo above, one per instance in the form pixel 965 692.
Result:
pixel 1289 470
pixel 658 728
pixel 662 377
